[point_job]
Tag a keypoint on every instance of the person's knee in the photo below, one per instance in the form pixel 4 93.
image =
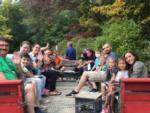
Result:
pixel 29 88
pixel 44 78
pixel 38 81
pixel 85 74
pixel 103 85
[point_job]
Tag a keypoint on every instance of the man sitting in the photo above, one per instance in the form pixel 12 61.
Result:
pixel 8 71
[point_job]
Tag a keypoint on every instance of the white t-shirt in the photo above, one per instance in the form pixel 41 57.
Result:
pixel 121 74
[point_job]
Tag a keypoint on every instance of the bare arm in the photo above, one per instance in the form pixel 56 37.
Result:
pixel 112 78
pixel 2 76
pixel 46 47
pixel 29 74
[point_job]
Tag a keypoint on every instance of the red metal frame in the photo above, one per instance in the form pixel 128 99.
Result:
pixel 11 96
pixel 135 95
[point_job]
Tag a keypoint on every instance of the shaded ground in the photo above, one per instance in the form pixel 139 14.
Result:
pixel 62 104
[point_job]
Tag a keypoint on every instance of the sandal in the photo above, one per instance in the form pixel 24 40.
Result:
pixel 54 93
pixel 46 92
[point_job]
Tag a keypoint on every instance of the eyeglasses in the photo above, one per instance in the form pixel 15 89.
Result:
pixel 2 45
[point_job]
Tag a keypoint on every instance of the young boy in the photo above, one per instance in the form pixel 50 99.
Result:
pixel 29 72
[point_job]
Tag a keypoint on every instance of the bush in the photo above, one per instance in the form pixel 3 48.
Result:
pixel 123 34
pixel 79 43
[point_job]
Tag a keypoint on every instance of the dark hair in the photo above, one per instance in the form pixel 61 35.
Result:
pixel 69 44
pixel 24 42
pixel 130 66
pixel 25 56
pixel 35 44
pixel 123 59
pixel 2 38
pixel 131 52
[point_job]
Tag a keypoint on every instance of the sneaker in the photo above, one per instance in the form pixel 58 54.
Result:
pixel 72 93
pixel 94 90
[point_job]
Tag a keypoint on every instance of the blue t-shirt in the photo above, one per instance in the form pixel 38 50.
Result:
pixel 96 62
pixel 71 53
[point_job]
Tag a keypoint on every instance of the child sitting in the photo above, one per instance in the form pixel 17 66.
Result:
pixel 111 73
pixel 29 73
pixel 113 87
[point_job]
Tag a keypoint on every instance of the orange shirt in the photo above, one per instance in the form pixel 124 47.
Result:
pixel 57 60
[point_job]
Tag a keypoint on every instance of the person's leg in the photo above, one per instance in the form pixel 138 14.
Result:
pixel 94 87
pixel 30 97
pixel 51 77
pixel 112 102
pixel 87 75
pixel 103 90
pixel 35 92
pixel 39 88
pixel 82 81
pixel 47 77
pixel 43 80
pixel 38 82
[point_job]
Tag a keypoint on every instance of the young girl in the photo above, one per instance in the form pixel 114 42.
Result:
pixel 114 85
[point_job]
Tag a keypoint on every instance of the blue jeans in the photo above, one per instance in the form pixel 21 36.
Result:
pixel 43 79
pixel 39 85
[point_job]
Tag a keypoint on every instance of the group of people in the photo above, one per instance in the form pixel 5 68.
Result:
pixel 37 69
pixel 109 69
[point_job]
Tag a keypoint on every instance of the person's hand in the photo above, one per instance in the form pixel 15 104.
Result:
pixel 47 60
pixel 35 64
pixel 47 45
pixel 110 82
pixel 2 76
pixel 16 58
pixel 40 56
pixel 86 62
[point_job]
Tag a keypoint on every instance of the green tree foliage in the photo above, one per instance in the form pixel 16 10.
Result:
pixel 52 19
pixel 14 15
pixel 88 20
pixel 61 25
pixel 79 43
pixel 124 23
pixel 134 9
pixel 4 29
pixel 123 34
